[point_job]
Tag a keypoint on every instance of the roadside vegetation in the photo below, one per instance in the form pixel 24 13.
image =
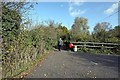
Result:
pixel 22 47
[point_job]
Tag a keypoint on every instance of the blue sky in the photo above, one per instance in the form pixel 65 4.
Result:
pixel 65 12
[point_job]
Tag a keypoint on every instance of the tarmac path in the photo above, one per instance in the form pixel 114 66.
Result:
pixel 67 64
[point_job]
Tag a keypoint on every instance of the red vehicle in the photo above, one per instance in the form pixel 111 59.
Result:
pixel 71 46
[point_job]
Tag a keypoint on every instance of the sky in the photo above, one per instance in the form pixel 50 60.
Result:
pixel 65 12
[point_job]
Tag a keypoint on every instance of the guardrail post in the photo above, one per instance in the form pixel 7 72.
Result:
pixel 102 47
pixel 75 48
pixel 85 45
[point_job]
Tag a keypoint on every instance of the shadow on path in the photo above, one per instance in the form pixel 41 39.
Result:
pixel 105 60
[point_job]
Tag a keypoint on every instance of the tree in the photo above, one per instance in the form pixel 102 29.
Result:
pixel 62 31
pixel 113 35
pixel 80 23
pixel 79 27
pixel 104 26
pixel 100 31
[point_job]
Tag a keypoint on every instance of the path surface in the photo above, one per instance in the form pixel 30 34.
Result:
pixel 66 64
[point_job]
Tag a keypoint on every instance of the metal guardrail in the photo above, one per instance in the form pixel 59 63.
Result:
pixel 96 45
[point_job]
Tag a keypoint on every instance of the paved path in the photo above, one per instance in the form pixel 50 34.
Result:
pixel 66 64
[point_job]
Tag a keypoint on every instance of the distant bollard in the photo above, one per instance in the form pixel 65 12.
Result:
pixel 75 48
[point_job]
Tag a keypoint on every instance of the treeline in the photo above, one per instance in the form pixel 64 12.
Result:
pixel 20 47
pixel 103 32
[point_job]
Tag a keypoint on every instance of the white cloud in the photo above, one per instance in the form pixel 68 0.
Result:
pixel 75 12
pixel 74 9
pixel 112 9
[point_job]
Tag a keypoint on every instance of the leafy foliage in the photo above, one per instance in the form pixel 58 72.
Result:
pixel 80 29
pixel 21 46
pixel 104 33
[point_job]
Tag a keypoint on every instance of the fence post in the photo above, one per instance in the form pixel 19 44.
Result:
pixel 102 48
pixel 84 45
pixel 75 48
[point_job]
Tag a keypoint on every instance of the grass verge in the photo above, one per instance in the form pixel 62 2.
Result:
pixel 23 71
